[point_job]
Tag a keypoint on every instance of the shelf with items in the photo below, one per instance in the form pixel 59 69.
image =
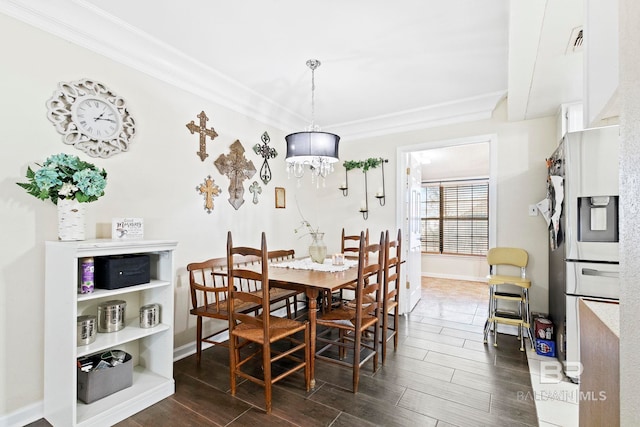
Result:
pixel 146 386
pixel 151 348
pixel 131 332
pixel 109 293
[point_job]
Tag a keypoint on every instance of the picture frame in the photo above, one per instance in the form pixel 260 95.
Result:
pixel 127 228
pixel 281 198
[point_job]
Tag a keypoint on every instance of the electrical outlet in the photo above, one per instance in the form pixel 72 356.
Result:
pixel 533 210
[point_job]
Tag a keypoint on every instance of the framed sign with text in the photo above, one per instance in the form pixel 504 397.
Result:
pixel 127 228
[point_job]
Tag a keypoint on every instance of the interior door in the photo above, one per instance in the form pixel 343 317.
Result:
pixel 413 254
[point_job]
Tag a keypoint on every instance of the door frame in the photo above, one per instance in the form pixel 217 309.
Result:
pixel 401 156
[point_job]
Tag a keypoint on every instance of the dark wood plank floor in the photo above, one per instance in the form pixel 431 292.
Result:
pixel 441 375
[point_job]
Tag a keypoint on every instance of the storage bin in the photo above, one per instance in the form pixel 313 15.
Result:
pixel 543 328
pixel 546 347
pixel 96 384
pixel 116 272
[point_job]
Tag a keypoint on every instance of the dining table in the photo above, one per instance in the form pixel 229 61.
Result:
pixel 312 280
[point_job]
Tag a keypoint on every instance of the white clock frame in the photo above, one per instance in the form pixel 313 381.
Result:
pixel 61 111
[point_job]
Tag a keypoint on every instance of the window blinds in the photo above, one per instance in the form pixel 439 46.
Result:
pixel 456 217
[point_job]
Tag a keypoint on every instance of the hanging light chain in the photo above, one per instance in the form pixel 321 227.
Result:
pixel 313 64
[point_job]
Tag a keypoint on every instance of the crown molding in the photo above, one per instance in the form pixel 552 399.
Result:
pixel 88 26
pixel 83 24
pixel 466 110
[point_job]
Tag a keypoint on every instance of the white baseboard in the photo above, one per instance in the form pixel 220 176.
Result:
pixel 455 277
pixel 23 416
pixel 190 348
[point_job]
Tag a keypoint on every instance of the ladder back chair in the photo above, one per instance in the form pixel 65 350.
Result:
pixel 209 294
pixel 508 289
pixel 350 244
pixel 278 294
pixel 209 299
pixel 353 346
pixel 263 330
pixel 391 292
pixel 350 248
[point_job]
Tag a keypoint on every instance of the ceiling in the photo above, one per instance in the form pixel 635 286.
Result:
pixel 387 67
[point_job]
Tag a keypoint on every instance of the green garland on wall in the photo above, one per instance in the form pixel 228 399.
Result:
pixel 365 165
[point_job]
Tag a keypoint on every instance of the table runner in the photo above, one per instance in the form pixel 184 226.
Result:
pixel 307 264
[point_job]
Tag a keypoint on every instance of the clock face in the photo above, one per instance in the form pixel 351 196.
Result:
pixel 91 117
pixel 96 118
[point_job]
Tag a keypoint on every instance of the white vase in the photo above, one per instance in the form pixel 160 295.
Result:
pixel 71 223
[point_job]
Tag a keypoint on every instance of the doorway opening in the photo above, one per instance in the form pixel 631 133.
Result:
pixel 465 158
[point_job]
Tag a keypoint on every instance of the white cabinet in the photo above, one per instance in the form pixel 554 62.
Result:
pixel 152 348
pixel 571 119
pixel 601 54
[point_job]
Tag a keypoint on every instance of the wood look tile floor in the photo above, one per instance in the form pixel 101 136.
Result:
pixel 441 375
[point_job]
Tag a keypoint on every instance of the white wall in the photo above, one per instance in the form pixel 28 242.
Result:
pixel 629 91
pixel 521 176
pixel 455 267
pixel 156 180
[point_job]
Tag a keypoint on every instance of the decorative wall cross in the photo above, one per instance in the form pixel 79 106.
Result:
pixel 209 190
pixel 204 132
pixel 267 153
pixel 255 189
pixel 237 168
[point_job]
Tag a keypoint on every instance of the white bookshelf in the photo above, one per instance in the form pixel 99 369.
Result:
pixel 151 348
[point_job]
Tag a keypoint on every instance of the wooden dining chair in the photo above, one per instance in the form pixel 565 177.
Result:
pixel 350 247
pixel 350 244
pixel 263 330
pixel 209 299
pixel 209 294
pixel 355 320
pixel 391 292
pixel 278 294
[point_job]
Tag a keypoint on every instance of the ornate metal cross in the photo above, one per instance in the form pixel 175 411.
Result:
pixel 255 189
pixel 267 153
pixel 204 132
pixel 237 168
pixel 209 190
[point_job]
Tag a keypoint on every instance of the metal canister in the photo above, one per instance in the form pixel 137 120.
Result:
pixel 86 329
pixel 111 315
pixel 149 315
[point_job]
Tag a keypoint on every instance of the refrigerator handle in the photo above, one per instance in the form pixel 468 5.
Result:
pixel 593 272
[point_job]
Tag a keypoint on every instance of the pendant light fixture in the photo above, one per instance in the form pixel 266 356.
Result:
pixel 312 149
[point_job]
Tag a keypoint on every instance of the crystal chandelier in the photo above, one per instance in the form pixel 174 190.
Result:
pixel 312 149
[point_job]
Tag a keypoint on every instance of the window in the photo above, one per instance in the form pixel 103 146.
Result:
pixel 455 217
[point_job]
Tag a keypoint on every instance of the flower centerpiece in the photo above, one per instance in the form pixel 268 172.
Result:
pixel 317 249
pixel 69 183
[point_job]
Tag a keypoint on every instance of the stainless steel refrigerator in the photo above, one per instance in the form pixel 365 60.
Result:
pixel 583 232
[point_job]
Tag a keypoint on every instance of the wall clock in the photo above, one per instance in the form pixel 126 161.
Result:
pixel 91 117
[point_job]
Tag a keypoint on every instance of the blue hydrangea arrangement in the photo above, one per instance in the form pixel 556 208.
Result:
pixel 63 176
